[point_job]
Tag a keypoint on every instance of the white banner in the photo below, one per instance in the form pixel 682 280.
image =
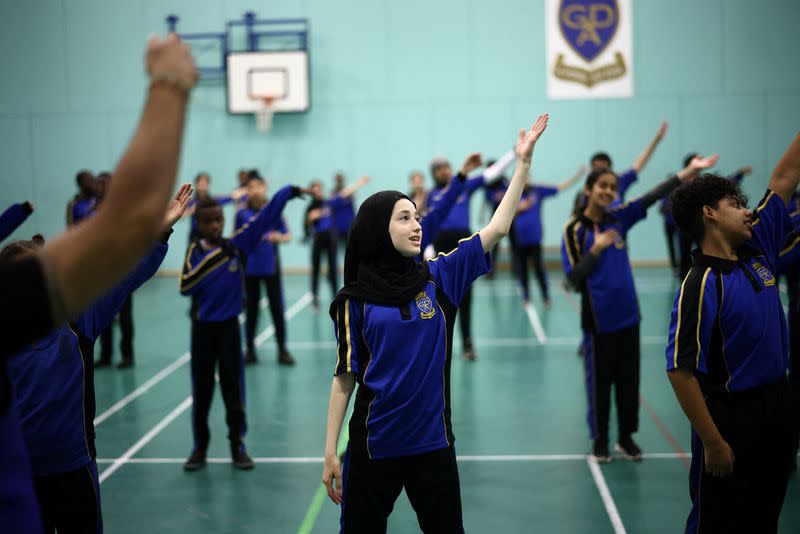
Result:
pixel 589 49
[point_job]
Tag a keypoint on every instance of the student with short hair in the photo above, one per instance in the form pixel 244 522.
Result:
pixel 595 260
pixel 727 352
pixel 262 266
pixel 394 322
pixel 213 275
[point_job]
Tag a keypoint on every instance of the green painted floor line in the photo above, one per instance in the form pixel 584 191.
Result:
pixel 321 494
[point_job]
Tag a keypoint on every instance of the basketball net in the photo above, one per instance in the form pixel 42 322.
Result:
pixel 264 113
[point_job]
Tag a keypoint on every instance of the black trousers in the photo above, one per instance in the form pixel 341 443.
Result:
pixel 323 241
pixel 612 359
pixel 532 253
pixel 274 288
pixel 126 329
pixel 756 425
pixel 70 502
pixel 371 487
pixel 446 241
pixel 212 343
pixel 670 232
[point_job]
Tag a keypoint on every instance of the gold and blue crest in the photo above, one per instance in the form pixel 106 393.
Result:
pixel 765 274
pixel 425 306
pixel 588 26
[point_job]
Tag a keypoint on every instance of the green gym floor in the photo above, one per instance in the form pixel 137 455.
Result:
pixel 518 417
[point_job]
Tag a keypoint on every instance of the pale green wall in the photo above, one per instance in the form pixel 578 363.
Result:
pixel 393 84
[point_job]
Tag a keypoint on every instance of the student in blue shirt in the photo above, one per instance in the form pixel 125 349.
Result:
pixel 527 231
pixel 394 322
pixel 456 226
pixel 213 276
pixel 13 217
pixel 262 265
pixel 344 212
pixel 320 226
pixel 53 383
pixel 84 202
pixel 727 352
pixel 595 260
pixel 202 183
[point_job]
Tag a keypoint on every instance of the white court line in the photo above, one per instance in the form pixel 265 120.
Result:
pixel 126 456
pixel 605 494
pixel 460 458
pixel 533 317
pixel 489 342
pixel 296 308
pixel 184 358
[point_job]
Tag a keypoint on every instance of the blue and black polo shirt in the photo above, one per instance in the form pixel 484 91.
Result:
pixel 528 223
pixel 263 260
pixel 401 359
pixel 214 275
pixel 458 217
pixel 728 324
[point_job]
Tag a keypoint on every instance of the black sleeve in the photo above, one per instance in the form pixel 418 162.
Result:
pixel 26 315
pixel 581 271
pixel 661 190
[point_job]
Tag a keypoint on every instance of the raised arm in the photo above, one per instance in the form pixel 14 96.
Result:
pixel 433 218
pixel 84 262
pixel 248 236
pixel 690 172
pixel 355 186
pixel 644 157
pixel 786 175
pixel 13 217
pixel 500 224
pixel 569 182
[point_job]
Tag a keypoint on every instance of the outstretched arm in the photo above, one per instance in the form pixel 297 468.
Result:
pixel 569 182
pixel 355 186
pixel 786 175
pixel 690 172
pixel 644 157
pixel 500 224
pixel 84 262
pixel 13 217
pixel 248 236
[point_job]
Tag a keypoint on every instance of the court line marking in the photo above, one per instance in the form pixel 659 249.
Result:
pixel 487 342
pixel 318 500
pixel 460 458
pixel 533 317
pixel 185 403
pixel 182 360
pixel 664 430
pixel 605 494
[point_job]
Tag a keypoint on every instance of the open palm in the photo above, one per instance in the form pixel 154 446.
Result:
pixel 527 140
pixel 177 206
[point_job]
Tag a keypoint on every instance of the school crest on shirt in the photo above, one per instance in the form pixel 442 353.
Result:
pixel 765 274
pixel 425 305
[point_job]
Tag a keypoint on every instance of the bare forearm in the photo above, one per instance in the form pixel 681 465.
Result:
pixel 88 259
pixel 644 157
pixel 690 397
pixel 500 223
pixel 786 175
pixel 341 390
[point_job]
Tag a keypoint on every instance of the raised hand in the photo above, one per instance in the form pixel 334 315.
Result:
pixel 527 140
pixel 177 206
pixel 700 164
pixel 472 162
pixel 170 60
pixel 662 130
pixel 747 169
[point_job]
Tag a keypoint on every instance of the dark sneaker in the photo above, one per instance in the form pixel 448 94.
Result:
pixel 284 358
pixel 250 357
pixel 196 461
pixel 101 362
pixel 241 460
pixel 469 352
pixel 600 453
pixel 125 364
pixel 629 449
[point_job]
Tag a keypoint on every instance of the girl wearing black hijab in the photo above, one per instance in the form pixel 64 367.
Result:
pixel 394 323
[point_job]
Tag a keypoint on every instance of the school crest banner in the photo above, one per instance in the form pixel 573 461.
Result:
pixel 589 49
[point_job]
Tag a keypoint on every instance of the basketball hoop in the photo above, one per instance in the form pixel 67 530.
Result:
pixel 264 113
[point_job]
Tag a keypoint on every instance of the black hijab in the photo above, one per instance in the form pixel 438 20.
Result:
pixel 374 270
